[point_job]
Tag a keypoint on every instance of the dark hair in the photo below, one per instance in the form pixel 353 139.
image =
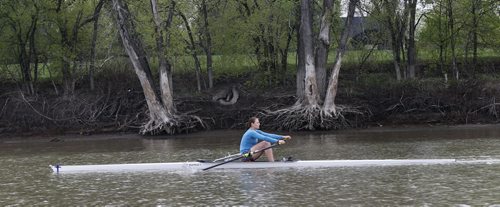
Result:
pixel 251 121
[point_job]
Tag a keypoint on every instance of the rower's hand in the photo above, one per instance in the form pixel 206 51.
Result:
pixel 286 137
pixel 280 142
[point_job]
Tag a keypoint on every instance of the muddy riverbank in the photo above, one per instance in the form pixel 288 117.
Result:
pixel 120 107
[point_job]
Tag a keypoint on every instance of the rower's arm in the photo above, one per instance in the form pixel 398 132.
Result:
pixel 258 135
pixel 274 136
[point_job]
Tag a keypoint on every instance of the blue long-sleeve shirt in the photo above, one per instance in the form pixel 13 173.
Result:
pixel 252 137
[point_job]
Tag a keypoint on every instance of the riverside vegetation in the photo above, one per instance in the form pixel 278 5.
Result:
pixel 166 66
pixel 118 103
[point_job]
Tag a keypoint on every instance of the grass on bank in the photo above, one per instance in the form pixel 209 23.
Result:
pixel 355 63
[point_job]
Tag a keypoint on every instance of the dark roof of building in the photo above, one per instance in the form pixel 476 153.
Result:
pixel 360 25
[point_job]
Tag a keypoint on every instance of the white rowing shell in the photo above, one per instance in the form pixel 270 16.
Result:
pixel 176 166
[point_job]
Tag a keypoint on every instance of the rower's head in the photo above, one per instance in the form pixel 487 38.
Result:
pixel 253 123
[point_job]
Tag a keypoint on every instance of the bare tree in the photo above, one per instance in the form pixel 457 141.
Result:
pixel 165 77
pixel 162 113
pixel 324 44
pixel 306 110
pixel 331 93
pixel 307 113
pixel 311 94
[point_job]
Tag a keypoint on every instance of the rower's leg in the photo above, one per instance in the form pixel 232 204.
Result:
pixel 268 152
pixel 258 146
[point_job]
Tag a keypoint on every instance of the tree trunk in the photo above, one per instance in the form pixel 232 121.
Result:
pixel 442 41
pixel 24 56
pixel 301 70
pixel 97 11
pixel 67 77
pixel 394 28
pixel 192 50
pixel 311 95
pixel 72 45
pixel 452 39
pixel 34 54
pixel 476 5
pixel 411 39
pixel 33 51
pixel 134 48
pixel 300 58
pixel 331 93
pixel 166 95
pixel 284 55
pixel 23 59
pixel 467 44
pixel 69 45
pixel 402 30
pixel 397 63
pixel 170 16
pixel 208 44
pixel 323 46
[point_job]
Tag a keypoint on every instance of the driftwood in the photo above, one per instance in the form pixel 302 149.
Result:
pixel 227 96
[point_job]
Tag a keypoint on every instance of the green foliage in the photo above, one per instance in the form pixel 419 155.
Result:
pixel 246 36
pixel 254 28
pixel 435 29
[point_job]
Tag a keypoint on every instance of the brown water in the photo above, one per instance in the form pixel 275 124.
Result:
pixel 26 180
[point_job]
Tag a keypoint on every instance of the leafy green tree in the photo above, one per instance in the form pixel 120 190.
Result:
pixel 97 13
pixel 482 28
pixel 262 29
pixel 20 20
pixel 192 49
pixel 456 27
pixel 434 35
pixel 70 18
pixel 206 36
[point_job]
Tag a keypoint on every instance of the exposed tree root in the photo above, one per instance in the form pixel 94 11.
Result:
pixel 178 124
pixel 491 108
pixel 84 113
pixel 112 109
pixel 298 117
pixel 423 102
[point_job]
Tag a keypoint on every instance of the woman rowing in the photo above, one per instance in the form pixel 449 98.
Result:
pixel 255 139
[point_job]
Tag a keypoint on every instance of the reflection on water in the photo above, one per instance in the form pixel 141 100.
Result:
pixel 27 180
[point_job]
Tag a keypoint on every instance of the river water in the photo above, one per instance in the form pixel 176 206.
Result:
pixel 26 180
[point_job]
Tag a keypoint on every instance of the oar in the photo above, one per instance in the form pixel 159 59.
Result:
pixel 226 157
pixel 241 156
pixel 219 159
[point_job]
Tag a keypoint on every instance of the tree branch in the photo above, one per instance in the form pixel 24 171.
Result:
pixel 96 14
